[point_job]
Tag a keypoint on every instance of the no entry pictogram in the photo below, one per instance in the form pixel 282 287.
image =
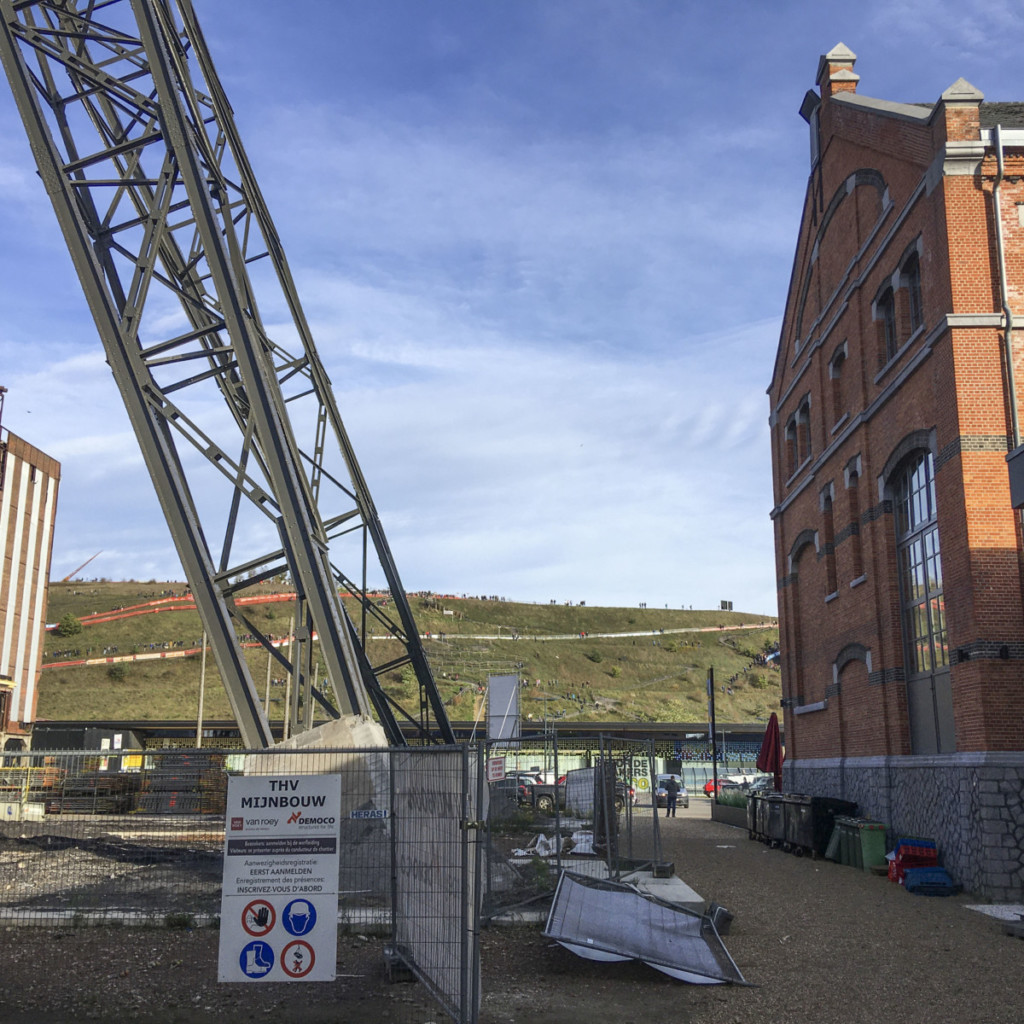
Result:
pixel 258 918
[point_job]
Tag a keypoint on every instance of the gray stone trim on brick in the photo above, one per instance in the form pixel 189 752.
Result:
pixel 847 532
pixel 883 508
pixel 803 538
pixel 999 443
pixel 919 114
pixel 915 441
pixel 852 652
pixel 882 676
pixel 987 650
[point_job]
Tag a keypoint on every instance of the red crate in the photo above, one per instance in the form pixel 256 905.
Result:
pixel 912 854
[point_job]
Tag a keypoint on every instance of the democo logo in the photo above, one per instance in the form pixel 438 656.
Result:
pixel 298 819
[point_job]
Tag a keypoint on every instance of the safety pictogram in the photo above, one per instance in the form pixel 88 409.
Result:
pixel 259 918
pixel 299 917
pixel 256 959
pixel 297 959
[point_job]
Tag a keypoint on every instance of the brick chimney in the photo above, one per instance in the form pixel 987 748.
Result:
pixel 835 71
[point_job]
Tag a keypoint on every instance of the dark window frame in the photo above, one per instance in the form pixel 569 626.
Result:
pixel 910 279
pixel 922 604
pixel 885 314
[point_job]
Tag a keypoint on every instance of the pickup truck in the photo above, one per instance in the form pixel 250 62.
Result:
pixel 543 796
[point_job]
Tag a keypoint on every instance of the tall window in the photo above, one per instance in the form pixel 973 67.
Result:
pixel 835 373
pixel 803 430
pixel 924 614
pixel 792 460
pixel 910 278
pixel 798 437
pixel 853 495
pixel 829 529
pixel 885 315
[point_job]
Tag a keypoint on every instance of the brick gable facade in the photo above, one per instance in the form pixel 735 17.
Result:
pixel 898 552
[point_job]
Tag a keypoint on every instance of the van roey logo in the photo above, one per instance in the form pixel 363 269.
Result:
pixel 236 824
pixel 296 816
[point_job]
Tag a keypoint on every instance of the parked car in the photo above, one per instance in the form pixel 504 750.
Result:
pixel 526 778
pixel 661 793
pixel 765 784
pixel 724 786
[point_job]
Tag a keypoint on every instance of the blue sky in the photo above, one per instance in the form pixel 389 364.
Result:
pixel 544 248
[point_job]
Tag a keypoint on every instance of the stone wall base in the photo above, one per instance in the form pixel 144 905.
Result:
pixel 972 805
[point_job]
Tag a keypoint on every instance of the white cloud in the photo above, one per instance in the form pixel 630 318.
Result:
pixel 543 249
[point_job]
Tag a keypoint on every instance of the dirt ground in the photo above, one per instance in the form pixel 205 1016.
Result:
pixel 816 941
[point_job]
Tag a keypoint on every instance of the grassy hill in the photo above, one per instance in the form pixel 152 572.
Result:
pixel 580 662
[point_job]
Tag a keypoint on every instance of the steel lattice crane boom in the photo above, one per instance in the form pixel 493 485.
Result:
pixel 182 269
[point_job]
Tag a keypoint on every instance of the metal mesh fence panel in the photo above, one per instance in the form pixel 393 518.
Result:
pixel 586 807
pixel 435 813
pixel 139 838
pixel 85 836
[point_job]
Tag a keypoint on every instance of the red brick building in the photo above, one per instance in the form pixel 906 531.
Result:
pixel 28 506
pixel 893 409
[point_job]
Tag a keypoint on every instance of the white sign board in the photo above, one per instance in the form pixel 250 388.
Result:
pixel 279 901
pixel 502 707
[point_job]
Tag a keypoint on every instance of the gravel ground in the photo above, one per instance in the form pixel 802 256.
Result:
pixel 817 942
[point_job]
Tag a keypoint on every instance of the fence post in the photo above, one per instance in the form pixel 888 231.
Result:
pixel 654 800
pixel 394 846
pixel 558 806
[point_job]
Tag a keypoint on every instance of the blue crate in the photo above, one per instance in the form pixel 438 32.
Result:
pixel 932 881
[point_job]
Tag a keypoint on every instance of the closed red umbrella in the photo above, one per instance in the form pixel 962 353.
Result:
pixel 770 757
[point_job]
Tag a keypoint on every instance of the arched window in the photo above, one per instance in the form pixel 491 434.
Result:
pixel 829 531
pixel 910 279
pixel 835 373
pixel 791 448
pixel 885 316
pixel 925 636
pixel 853 497
pixel 798 437
pixel 803 429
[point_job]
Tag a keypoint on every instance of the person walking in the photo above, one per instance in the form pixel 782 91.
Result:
pixel 671 793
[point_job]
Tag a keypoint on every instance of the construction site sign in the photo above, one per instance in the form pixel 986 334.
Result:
pixel 279 897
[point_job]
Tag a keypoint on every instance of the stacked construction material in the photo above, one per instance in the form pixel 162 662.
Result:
pixel 92 792
pixel 184 782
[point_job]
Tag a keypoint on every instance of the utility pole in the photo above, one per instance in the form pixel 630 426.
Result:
pixel 202 695
pixel 712 731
